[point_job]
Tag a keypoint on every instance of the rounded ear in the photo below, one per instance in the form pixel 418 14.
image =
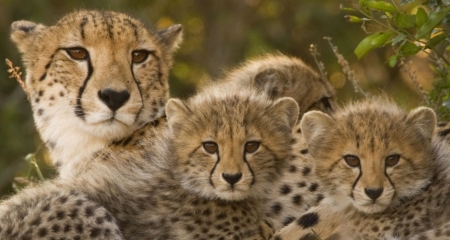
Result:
pixel 271 82
pixel 425 119
pixel 172 36
pixel 288 109
pixel 176 112
pixel 314 125
pixel 23 33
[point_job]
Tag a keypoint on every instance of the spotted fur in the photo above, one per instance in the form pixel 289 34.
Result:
pixel 414 193
pixel 83 103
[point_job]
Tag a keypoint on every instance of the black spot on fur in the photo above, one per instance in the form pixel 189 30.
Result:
pixel 304 151
pixel 319 198
pixel 276 208
pixel 67 228
pixel 306 171
pixel 40 111
pixel 60 215
pixel 297 199
pixel 95 232
pixel 292 169
pixel 89 211
pixel 43 77
pixel 79 228
pixel 127 141
pixel 42 232
pixel 56 228
pixel 285 189
pixel 288 220
pixel 308 220
pixel 313 187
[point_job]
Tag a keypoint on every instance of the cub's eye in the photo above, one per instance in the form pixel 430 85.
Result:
pixel 351 160
pixel 251 147
pixel 77 53
pixel 210 147
pixel 139 56
pixel 392 160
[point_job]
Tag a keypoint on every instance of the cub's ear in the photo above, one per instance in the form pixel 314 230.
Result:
pixel 271 81
pixel 425 119
pixel 315 125
pixel 176 112
pixel 23 34
pixel 288 109
pixel 172 36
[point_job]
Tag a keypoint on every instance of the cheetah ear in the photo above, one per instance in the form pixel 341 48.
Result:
pixel 172 36
pixel 271 82
pixel 176 112
pixel 315 125
pixel 425 119
pixel 287 107
pixel 23 33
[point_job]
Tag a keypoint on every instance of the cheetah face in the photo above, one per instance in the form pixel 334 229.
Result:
pixel 100 73
pixel 371 155
pixel 231 147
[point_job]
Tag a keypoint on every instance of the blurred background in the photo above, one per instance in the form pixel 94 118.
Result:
pixel 218 35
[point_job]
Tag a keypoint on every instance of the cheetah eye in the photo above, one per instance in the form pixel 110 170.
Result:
pixel 139 56
pixel 210 147
pixel 351 160
pixel 251 147
pixel 77 53
pixel 392 160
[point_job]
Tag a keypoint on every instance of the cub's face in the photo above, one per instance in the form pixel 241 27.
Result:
pixel 102 73
pixel 231 146
pixel 372 155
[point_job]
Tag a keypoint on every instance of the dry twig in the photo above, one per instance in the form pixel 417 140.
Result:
pixel 16 73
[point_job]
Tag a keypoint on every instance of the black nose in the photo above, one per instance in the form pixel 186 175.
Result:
pixel 113 99
pixel 232 178
pixel 373 193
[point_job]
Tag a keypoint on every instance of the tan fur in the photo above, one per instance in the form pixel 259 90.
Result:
pixel 69 113
pixel 415 191
pixel 282 76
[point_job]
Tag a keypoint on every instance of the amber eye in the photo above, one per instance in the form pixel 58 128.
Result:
pixel 77 53
pixel 392 160
pixel 251 147
pixel 139 56
pixel 210 147
pixel 351 160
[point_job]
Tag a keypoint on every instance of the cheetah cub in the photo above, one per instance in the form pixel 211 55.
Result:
pixel 384 174
pixel 222 153
pixel 92 79
pixel 283 76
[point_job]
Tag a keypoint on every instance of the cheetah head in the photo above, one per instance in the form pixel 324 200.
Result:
pixel 95 74
pixel 372 153
pixel 231 145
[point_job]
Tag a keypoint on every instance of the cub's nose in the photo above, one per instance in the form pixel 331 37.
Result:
pixel 232 178
pixel 113 99
pixel 373 193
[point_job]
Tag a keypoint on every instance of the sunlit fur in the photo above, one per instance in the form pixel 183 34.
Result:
pixel 372 130
pixel 70 117
pixel 231 119
pixel 283 76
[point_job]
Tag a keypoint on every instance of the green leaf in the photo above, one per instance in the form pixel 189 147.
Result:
pixel 398 38
pixel 409 48
pixel 446 103
pixel 404 21
pixel 393 61
pixel 381 39
pixel 434 41
pixel 365 45
pixel 433 20
pixel 381 6
pixel 421 17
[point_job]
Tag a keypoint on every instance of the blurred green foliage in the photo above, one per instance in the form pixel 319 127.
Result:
pixel 218 35
pixel 410 26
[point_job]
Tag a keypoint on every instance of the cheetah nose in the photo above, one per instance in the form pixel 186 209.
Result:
pixel 232 178
pixel 113 99
pixel 373 193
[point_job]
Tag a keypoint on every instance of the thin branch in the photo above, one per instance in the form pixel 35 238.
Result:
pixel 346 68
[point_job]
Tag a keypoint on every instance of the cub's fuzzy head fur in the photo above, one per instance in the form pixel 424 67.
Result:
pixel 230 145
pixel 282 76
pixel 372 151
pixel 94 77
